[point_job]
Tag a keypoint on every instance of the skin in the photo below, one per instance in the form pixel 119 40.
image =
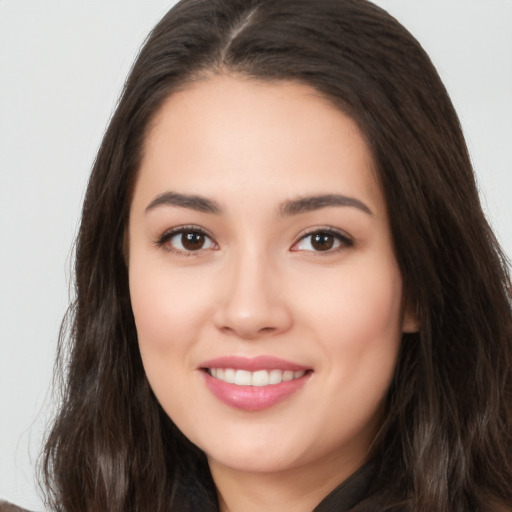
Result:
pixel 259 287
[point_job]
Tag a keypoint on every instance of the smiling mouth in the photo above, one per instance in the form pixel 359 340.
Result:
pixel 257 378
pixel 254 384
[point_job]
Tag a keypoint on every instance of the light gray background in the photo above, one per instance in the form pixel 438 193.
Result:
pixel 62 65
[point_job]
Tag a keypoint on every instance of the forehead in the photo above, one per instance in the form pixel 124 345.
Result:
pixel 233 130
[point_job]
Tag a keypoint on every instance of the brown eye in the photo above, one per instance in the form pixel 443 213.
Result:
pixel 192 241
pixel 322 241
pixel 186 241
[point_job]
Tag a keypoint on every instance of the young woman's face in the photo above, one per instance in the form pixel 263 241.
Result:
pixel 266 294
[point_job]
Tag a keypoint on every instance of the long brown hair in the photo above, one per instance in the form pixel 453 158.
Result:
pixel 446 443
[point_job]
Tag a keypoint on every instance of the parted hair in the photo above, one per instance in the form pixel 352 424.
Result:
pixel 446 442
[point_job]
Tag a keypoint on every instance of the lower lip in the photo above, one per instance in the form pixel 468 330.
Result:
pixel 253 398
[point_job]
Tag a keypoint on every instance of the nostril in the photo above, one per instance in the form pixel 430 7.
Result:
pixel 252 316
pixel 248 332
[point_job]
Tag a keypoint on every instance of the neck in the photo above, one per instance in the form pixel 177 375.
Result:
pixel 300 489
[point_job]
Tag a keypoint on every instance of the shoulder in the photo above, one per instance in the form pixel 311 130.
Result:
pixel 9 507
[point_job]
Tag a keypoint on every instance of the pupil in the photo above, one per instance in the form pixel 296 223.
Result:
pixel 192 241
pixel 322 241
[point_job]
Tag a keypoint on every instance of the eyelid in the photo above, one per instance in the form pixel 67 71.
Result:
pixel 189 228
pixel 345 239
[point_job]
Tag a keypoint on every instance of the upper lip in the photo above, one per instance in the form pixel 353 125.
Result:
pixel 253 364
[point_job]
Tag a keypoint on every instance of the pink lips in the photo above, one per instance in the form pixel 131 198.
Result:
pixel 253 398
pixel 253 364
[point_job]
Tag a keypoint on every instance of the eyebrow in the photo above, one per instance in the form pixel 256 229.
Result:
pixel 311 203
pixel 193 202
pixel 290 207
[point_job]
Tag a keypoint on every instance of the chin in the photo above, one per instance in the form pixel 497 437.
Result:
pixel 253 462
pixel 246 455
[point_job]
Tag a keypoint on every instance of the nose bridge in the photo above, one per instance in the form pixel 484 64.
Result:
pixel 252 303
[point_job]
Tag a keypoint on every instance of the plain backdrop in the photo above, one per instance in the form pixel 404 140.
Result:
pixel 62 65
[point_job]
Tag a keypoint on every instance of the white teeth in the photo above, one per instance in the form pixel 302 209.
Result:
pixel 243 378
pixel 287 375
pixel 258 378
pixel 275 377
pixel 229 375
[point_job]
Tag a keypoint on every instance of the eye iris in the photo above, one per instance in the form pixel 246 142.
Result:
pixel 192 241
pixel 322 241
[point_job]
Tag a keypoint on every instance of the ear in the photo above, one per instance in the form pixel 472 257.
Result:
pixel 411 321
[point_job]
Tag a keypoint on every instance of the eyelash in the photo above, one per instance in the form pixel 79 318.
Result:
pixel 342 239
pixel 166 237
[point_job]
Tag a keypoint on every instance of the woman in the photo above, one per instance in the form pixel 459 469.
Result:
pixel 284 199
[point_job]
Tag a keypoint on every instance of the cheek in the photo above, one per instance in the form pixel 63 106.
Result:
pixel 167 308
pixel 356 316
pixel 167 305
pixel 371 312
pixel 358 306
pixel 367 333
pixel 154 312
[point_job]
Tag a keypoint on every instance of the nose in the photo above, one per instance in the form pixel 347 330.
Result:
pixel 252 303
